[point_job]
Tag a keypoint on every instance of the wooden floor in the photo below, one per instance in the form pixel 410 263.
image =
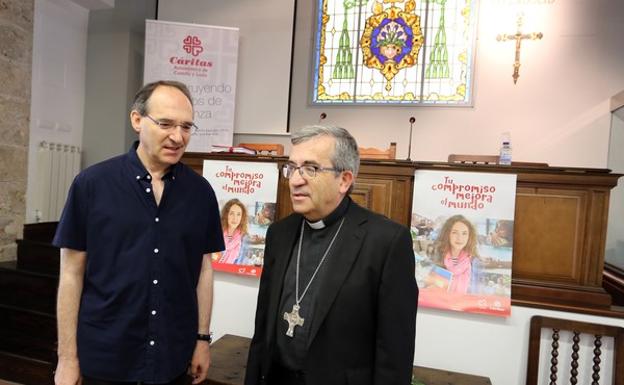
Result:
pixel 2 382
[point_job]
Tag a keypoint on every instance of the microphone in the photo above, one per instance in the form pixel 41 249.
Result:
pixel 322 117
pixel 409 149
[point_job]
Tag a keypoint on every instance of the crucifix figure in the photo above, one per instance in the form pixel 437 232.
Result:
pixel 293 320
pixel 518 37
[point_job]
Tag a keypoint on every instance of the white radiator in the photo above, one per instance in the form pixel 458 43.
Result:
pixel 57 165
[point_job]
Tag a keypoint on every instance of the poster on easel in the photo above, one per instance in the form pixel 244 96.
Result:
pixel 205 58
pixel 462 233
pixel 247 196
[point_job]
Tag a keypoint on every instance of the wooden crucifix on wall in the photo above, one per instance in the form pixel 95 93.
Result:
pixel 518 37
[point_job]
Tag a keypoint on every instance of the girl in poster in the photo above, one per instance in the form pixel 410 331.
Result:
pixel 234 224
pixel 458 248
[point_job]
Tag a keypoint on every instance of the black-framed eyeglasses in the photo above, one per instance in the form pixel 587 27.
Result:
pixel 306 170
pixel 167 124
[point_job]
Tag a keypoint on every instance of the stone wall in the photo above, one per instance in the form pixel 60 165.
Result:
pixel 16 36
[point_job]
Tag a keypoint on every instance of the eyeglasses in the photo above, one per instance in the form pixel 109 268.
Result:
pixel 307 170
pixel 167 124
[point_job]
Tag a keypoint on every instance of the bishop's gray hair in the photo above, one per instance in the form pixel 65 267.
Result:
pixel 345 157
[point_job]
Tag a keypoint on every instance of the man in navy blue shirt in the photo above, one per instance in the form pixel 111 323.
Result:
pixel 136 234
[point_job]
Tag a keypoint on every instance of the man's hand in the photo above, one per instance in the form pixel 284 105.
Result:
pixel 67 372
pixel 200 362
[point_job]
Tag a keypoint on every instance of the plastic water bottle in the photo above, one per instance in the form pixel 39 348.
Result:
pixel 505 151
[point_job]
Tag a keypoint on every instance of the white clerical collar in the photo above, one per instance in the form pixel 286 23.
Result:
pixel 333 217
pixel 316 225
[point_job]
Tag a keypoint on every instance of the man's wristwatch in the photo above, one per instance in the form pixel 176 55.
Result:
pixel 204 337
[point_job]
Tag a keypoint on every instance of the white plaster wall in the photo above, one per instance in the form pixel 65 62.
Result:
pixel 114 74
pixel 263 55
pixel 557 113
pixel 106 108
pixel 234 305
pixel 95 4
pixel 58 81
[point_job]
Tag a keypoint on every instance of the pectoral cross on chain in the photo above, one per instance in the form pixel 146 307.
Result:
pixel 518 37
pixel 293 320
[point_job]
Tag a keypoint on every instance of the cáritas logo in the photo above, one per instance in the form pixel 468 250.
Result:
pixel 192 45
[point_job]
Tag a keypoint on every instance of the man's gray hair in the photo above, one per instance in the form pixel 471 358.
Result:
pixel 346 156
pixel 141 99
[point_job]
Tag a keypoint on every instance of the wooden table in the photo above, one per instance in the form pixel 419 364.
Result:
pixel 430 376
pixel 228 357
pixel 229 360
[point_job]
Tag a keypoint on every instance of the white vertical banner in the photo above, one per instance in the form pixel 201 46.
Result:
pixel 204 58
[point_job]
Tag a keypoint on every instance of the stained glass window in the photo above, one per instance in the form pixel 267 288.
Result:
pixel 394 52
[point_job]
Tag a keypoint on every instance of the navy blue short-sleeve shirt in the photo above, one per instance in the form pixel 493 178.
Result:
pixel 138 312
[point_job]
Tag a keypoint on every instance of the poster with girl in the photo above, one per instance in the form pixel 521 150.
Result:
pixel 247 193
pixel 462 233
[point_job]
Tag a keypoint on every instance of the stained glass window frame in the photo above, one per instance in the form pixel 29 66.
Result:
pixel 464 65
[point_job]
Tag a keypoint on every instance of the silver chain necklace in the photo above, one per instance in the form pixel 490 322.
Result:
pixel 293 318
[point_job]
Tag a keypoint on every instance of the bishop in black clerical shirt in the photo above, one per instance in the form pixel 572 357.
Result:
pixel 337 299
